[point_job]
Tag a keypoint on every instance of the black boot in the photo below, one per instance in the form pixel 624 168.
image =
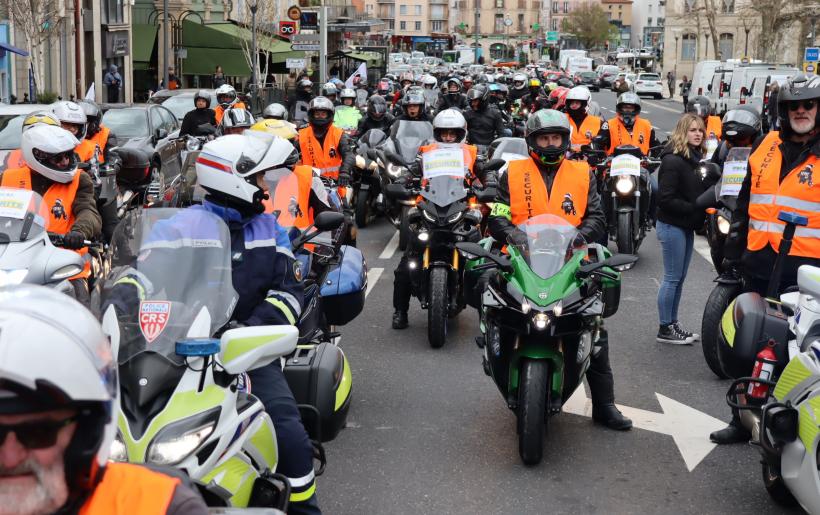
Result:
pixel 602 387
pixel 401 294
pixel 733 433
pixel 400 320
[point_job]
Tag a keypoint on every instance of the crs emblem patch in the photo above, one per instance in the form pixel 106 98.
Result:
pixel 154 317
pixel 297 270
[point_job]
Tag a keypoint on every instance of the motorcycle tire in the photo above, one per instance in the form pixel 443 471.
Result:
pixel 720 298
pixel 437 307
pixel 716 251
pixel 404 229
pixel 777 489
pixel 533 399
pixel 625 238
pixel 362 208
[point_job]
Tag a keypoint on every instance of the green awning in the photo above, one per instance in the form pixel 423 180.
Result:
pixel 143 41
pixel 227 36
pixel 203 61
pixel 371 58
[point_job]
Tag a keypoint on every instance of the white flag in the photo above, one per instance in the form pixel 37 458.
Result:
pixel 91 93
pixel 361 72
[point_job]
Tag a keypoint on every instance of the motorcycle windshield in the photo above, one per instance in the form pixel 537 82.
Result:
pixel 409 136
pixel 551 242
pixel 361 97
pixel 372 138
pixel 430 97
pixel 510 149
pixel 172 279
pixel 24 215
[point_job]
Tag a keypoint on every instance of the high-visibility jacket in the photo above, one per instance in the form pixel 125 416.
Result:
pixel 583 135
pixel 101 140
pixel 219 111
pixel 85 150
pixel 15 159
pixel 292 198
pixel 798 192
pixel 327 159
pixel 56 208
pixel 619 134
pixel 713 127
pixel 529 197
pixel 127 488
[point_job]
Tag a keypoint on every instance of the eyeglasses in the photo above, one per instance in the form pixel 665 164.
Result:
pixel 808 105
pixel 36 435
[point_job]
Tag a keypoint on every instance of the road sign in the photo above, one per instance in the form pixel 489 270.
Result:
pixel 294 13
pixel 810 67
pixel 314 39
pixel 552 36
pixel 812 54
pixel 303 46
pixel 287 29
pixel 295 64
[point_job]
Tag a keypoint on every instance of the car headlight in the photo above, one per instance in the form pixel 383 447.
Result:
pixel 118 450
pixel 169 451
pixel 192 144
pixel 428 216
pixel 394 170
pixel 723 225
pixel 540 321
pixel 455 218
pixel 12 277
pixel 624 185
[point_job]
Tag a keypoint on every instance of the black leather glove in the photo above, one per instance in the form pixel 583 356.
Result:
pixel 516 237
pixel 73 240
pixel 344 179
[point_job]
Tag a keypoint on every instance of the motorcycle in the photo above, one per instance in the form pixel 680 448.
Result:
pixel 394 158
pixel 185 398
pixel 519 119
pixel 541 316
pixel 106 191
pixel 508 149
pixel 367 194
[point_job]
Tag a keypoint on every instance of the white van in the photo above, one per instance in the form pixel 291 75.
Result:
pixel 742 80
pixel 702 77
pixel 718 90
pixel 758 92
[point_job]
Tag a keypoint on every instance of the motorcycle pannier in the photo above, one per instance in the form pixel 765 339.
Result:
pixel 319 377
pixel 747 325
pixel 344 287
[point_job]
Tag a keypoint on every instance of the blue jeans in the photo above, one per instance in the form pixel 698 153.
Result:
pixel 676 245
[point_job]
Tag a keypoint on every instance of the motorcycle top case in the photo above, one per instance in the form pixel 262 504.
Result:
pixel 343 289
pixel 746 327
pixel 319 376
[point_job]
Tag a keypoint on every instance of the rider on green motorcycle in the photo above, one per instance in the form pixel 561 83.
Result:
pixel 547 183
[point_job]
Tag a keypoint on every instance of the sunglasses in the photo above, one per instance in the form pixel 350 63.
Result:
pixel 808 105
pixel 36 435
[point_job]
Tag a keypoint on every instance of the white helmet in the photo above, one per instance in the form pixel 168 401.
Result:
pixel 227 167
pixel 347 93
pixel 36 322
pixel 71 113
pixel 520 81
pixel 237 119
pixel 430 81
pixel 579 93
pixel 225 95
pixel 41 143
pixel 449 119
pixel 275 111
pixel 40 117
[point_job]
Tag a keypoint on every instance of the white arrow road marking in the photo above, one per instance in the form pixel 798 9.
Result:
pixel 372 278
pixel 688 427
pixel 391 247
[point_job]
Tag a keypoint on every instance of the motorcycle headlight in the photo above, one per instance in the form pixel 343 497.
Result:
pixel 540 321
pixel 394 170
pixel 525 307
pixel 118 450
pixel 723 225
pixel 455 218
pixel 428 216
pixel 424 236
pixel 172 450
pixel 624 185
pixel 192 144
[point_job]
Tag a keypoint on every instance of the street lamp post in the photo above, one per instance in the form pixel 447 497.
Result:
pixel 254 57
pixel 677 35
pixel 746 45
pixel 475 31
pixel 707 47
pixel 165 42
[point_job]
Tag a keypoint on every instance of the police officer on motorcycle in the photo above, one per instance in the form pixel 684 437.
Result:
pixel 453 98
pixel 484 124
pixel 201 115
pixel 780 178
pixel 548 139
pixel 376 116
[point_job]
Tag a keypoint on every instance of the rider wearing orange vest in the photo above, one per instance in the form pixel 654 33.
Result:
pixel 60 422
pixel 547 183
pixel 701 106
pixel 584 126
pixel 627 127
pixel 226 99
pixel 325 146
pixel 69 207
pixel 96 133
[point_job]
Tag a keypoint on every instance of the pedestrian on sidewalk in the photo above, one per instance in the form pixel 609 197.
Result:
pixel 218 77
pixel 771 106
pixel 679 186
pixel 670 81
pixel 113 84
pixel 685 86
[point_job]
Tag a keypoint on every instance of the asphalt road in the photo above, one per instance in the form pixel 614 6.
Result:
pixel 428 432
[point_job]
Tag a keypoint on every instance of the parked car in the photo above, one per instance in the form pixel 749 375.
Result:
pixel 648 84
pixel 588 79
pixel 11 127
pixel 179 101
pixel 154 130
pixel 607 75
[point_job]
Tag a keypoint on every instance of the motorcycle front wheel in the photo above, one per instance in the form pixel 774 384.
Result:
pixel 437 307
pixel 777 489
pixel 716 305
pixel 533 399
pixel 625 239
pixel 362 208
pixel 404 228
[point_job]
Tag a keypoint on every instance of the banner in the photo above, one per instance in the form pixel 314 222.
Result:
pixel 443 161
pixel 361 72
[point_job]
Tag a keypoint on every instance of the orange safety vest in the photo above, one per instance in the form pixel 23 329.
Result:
pixel 14 159
pixel 529 197
pixel 713 127
pixel 619 134
pixel 292 199
pixel 220 111
pixel 588 130
pixel 85 150
pixel 768 196
pixel 327 159
pixel 101 139
pixel 127 488
pixel 57 205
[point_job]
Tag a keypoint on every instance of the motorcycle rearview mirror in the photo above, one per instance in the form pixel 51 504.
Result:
pixel 247 348
pixel 328 220
pixel 598 142
pixel 707 199
pixel 84 166
pixel 618 261
pixel 472 250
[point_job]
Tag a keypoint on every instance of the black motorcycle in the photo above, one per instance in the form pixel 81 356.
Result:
pixel 368 200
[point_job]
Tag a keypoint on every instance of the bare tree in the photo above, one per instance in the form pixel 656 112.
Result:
pixel 267 18
pixel 36 20
pixel 775 18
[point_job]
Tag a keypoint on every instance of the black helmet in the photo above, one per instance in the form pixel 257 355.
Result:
pixel 320 104
pixel 413 98
pixel 699 105
pixel 548 121
pixel 477 93
pixel 376 107
pixel 801 87
pixel 457 83
pixel 741 125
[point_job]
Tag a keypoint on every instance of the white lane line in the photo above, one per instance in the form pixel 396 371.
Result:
pixel 372 278
pixel 659 106
pixel 702 248
pixel 391 247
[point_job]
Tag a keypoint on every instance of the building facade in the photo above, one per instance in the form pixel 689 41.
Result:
pixel 506 28
pixel 619 13
pixel 648 18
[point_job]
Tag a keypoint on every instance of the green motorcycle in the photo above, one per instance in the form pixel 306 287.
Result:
pixel 541 316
